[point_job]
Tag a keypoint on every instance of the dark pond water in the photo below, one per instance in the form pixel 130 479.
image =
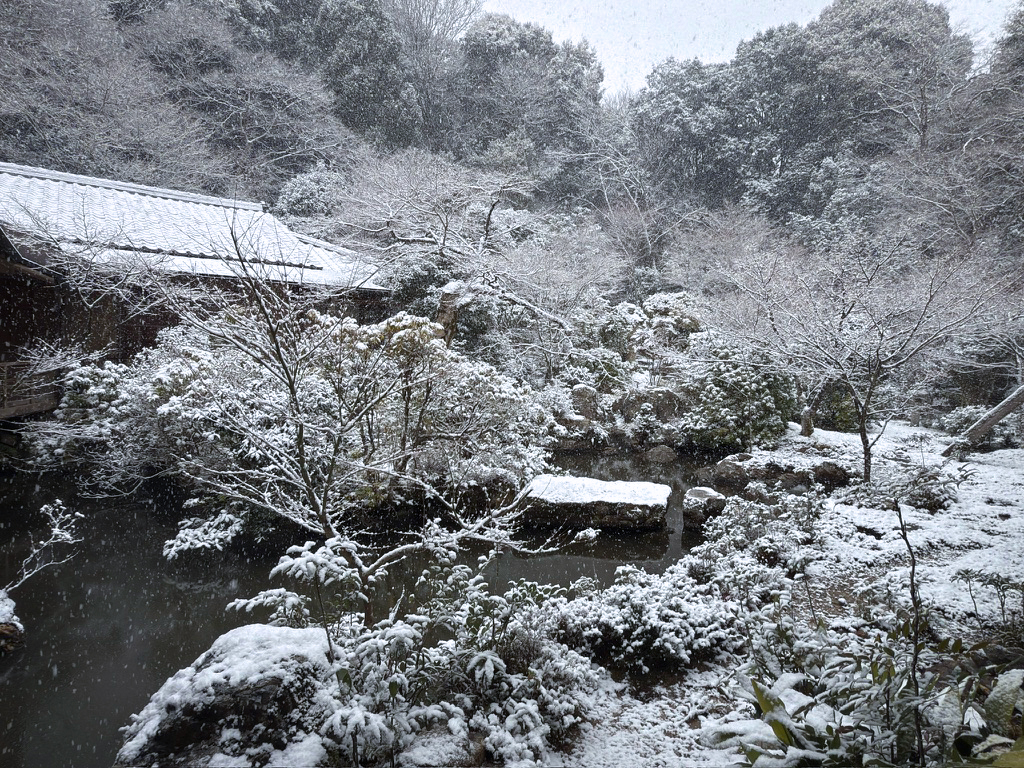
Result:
pixel 106 629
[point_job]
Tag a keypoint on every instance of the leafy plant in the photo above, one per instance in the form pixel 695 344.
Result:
pixel 462 656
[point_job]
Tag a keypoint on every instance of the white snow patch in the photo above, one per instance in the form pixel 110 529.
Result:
pixel 585 490
pixel 7 615
pixel 663 730
pixel 435 748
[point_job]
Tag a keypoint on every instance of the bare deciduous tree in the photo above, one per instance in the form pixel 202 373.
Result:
pixel 864 319
pixel 267 403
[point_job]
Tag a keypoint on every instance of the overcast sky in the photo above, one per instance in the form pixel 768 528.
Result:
pixel 631 36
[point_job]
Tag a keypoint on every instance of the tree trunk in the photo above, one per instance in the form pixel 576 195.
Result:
pixel 863 417
pixel 448 310
pixel 810 410
pixel 986 423
pixel 865 442
pixel 807 421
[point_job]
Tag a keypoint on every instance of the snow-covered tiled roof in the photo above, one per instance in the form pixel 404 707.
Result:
pixel 173 231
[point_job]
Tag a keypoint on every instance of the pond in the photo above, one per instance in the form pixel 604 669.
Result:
pixel 105 630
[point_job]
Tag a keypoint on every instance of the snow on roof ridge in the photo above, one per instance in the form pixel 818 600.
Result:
pixel 33 172
pixel 310 240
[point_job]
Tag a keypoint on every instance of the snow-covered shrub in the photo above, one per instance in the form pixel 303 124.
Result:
pixel 462 657
pixel 647 622
pixel 929 487
pixel 835 409
pixel 1009 594
pixel 619 327
pixel 959 420
pixel 870 690
pixel 673 317
pixel 774 535
pixel 733 403
pixel 257 697
pixel 698 608
pixel 646 429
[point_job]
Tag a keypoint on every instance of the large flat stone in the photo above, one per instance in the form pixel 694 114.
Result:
pixel 582 502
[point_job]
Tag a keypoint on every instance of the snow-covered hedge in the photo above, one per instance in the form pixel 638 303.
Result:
pixel 648 623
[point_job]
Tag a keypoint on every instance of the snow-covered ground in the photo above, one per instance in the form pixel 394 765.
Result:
pixel 858 548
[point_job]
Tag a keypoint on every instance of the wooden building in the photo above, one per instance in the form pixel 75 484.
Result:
pixel 59 231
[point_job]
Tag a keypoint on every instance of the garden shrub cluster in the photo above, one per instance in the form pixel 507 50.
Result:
pixel 462 658
pixel 698 609
pixel 877 689
pixel 521 670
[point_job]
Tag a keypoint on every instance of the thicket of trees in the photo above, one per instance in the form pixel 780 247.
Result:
pixel 819 168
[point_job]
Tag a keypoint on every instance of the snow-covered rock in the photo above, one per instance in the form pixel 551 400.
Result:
pixel 256 697
pixel 582 502
pixel 12 633
pixel 735 472
pixel 699 504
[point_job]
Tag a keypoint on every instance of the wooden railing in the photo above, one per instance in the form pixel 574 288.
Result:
pixel 23 392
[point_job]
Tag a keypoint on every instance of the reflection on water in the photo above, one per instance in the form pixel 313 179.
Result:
pixel 106 629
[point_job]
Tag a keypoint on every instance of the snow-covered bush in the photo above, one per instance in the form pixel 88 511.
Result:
pixel 673 317
pixel 461 657
pixel 733 403
pixel 257 697
pixel 1009 594
pixel 959 420
pixel 931 487
pixel 773 535
pixel 698 608
pixel 861 691
pixel 648 622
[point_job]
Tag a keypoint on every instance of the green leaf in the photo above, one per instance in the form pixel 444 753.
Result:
pixel 1001 701
pixel 780 731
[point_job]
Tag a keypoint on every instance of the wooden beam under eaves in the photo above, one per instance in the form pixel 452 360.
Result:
pixel 13 263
